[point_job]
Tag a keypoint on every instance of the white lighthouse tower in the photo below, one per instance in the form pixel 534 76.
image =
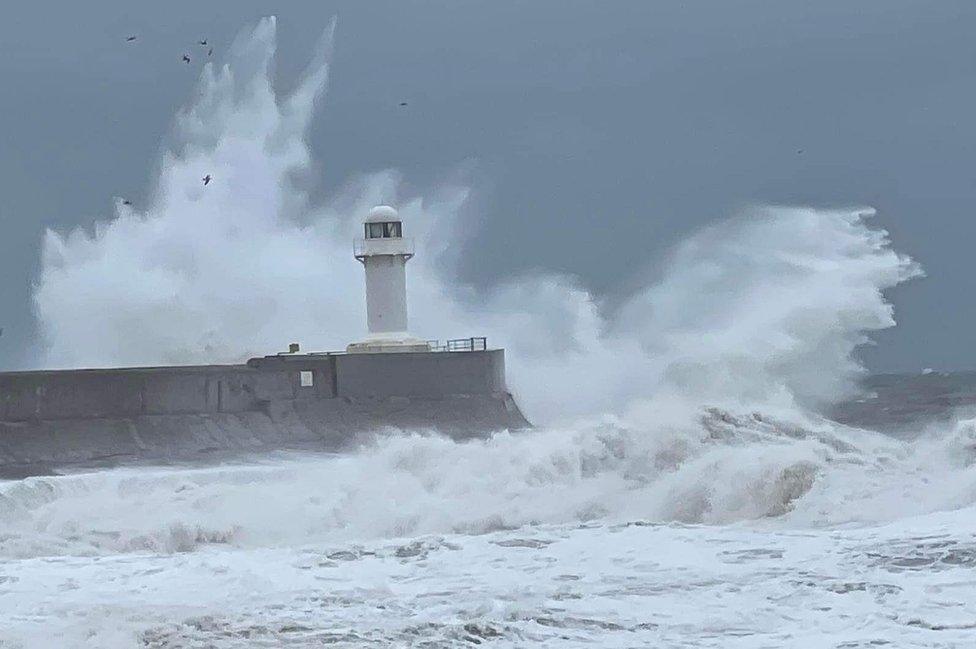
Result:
pixel 384 253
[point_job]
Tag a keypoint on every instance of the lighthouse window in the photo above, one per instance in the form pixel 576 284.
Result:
pixel 392 229
pixel 374 230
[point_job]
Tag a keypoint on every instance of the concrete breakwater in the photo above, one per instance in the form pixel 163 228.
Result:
pixel 295 401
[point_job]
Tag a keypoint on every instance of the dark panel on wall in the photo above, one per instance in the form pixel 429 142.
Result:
pixel 127 392
pixel 319 385
pixel 420 375
pixel 168 392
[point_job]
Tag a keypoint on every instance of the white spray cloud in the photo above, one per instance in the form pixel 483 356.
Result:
pixel 765 308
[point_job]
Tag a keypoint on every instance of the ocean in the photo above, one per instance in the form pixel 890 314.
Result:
pixel 753 533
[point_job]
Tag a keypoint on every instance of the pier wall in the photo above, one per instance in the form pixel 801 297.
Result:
pixel 321 401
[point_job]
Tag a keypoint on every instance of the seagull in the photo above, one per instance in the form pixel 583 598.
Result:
pixel 186 58
pixel 203 42
pixel 129 39
pixel 799 150
pixel 126 202
pixel 206 180
pixel 210 52
pixel 403 103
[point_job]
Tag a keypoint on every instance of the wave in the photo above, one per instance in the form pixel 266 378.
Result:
pixel 728 469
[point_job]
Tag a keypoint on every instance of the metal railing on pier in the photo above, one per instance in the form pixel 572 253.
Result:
pixel 475 344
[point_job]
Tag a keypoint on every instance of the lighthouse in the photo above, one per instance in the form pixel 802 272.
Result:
pixel 384 252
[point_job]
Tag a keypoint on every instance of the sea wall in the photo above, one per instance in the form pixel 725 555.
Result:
pixel 313 401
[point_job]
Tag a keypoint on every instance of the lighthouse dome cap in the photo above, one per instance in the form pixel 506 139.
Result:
pixel 382 214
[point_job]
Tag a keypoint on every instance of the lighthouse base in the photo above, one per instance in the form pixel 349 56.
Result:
pixel 389 343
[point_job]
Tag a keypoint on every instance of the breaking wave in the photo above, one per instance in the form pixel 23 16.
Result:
pixel 729 468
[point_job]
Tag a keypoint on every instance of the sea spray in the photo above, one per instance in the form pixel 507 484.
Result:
pixel 762 309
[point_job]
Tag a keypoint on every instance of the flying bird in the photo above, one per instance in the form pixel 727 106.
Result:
pixel 203 42
pixel 799 151
pixel 206 180
pixel 126 202
pixel 186 58
pixel 403 103
pixel 129 39
pixel 210 52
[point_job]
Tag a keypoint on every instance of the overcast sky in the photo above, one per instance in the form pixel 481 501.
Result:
pixel 599 132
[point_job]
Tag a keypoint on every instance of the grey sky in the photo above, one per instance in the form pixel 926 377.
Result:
pixel 600 132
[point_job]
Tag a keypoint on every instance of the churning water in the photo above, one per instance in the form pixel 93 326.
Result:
pixel 681 488
pixel 750 532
